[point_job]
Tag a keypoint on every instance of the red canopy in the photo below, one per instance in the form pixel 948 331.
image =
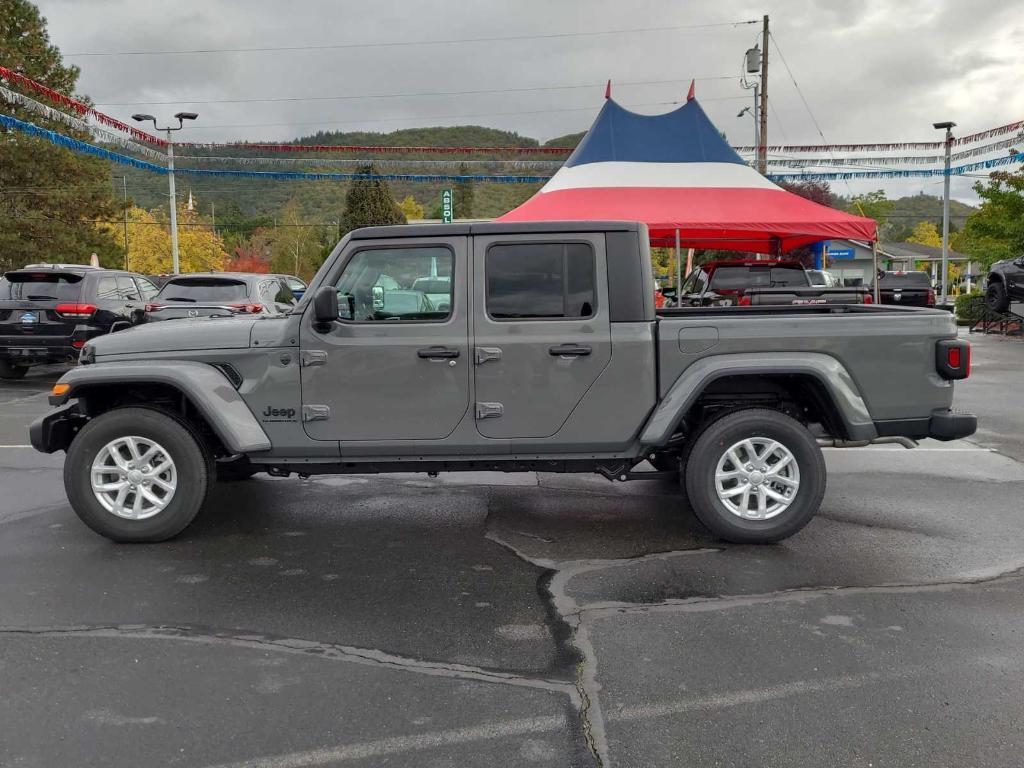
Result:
pixel 676 172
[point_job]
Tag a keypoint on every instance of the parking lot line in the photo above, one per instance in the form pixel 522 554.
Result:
pixel 15 446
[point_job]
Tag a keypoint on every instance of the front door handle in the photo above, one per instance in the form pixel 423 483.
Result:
pixel 569 350
pixel 437 353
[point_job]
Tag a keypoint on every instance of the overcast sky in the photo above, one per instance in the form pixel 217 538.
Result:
pixel 879 70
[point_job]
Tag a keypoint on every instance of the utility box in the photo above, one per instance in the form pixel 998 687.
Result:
pixel 753 60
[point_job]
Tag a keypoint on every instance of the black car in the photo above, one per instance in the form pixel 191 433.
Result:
pixel 49 311
pixel 206 294
pixel 1005 283
pixel 906 289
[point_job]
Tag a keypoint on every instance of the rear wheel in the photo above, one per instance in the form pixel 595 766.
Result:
pixel 9 370
pixel 755 476
pixel 137 475
pixel 996 297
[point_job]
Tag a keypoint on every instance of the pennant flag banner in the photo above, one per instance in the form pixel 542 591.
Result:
pixel 59 139
pixel 80 107
pixel 349 148
pixel 108 137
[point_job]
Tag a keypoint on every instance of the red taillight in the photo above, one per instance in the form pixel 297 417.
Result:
pixel 869 299
pixel 931 297
pixel 744 301
pixel 250 308
pixel 76 311
pixel 959 358
pixel 154 307
pixel 77 344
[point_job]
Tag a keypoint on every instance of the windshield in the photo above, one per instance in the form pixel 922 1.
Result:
pixel 200 290
pixel 905 280
pixel 40 286
pixel 741 276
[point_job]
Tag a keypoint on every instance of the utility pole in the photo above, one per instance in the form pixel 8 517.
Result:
pixel 948 126
pixel 124 182
pixel 180 117
pixel 762 134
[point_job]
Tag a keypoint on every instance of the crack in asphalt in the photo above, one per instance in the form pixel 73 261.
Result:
pixel 296 646
pixel 796 595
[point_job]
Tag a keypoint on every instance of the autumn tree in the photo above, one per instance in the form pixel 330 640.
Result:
pixel 149 242
pixel 295 243
pixel 410 208
pixel 925 233
pixel 369 203
pixel 872 205
pixel 50 197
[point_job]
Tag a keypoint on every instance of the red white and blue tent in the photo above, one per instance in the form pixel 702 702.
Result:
pixel 676 172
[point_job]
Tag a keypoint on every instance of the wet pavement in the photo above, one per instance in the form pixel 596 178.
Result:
pixel 527 619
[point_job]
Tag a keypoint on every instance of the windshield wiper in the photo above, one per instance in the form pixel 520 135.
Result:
pixel 180 298
pixel 40 297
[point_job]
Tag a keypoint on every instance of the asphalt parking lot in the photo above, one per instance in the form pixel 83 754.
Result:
pixel 525 619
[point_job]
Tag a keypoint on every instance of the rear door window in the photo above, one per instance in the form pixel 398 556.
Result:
pixel 204 290
pixel 127 289
pixel 40 286
pixel 540 281
pixel 106 288
pixel 146 289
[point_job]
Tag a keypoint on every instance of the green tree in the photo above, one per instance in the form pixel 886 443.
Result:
pixel 873 205
pixel 464 194
pixel 50 197
pixel 410 208
pixel 996 230
pixel 925 233
pixel 369 203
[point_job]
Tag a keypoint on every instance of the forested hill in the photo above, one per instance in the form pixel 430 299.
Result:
pixel 439 136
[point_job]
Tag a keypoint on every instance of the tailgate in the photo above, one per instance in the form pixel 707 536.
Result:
pixel 29 303
pixel 171 311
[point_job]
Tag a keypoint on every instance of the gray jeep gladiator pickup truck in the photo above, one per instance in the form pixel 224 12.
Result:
pixel 536 348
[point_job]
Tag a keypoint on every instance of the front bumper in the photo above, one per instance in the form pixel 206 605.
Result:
pixel 56 430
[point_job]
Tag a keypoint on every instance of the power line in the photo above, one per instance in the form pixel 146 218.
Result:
pixel 405 43
pixel 352 97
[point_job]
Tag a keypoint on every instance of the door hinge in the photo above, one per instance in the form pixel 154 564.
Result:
pixel 489 410
pixel 311 357
pixel 484 354
pixel 316 412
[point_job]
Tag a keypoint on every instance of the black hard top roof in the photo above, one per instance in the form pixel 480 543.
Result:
pixel 494 228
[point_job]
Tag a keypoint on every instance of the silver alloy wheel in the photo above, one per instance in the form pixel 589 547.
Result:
pixel 757 478
pixel 133 477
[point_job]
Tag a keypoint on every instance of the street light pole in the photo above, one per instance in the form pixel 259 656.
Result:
pixel 180 117
pixel 948 126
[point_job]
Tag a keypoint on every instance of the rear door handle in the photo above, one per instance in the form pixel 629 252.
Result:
pixel 569 350
pixel 437 353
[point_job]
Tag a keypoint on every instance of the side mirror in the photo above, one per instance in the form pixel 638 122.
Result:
pixel 325 305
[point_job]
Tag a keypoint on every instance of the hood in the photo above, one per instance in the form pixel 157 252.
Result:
pixel 177 336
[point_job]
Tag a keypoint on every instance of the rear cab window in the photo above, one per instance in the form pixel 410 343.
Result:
pixel 40 286
pixel 905 280
pixel 533 281
pixel 202 290
pixel 739 277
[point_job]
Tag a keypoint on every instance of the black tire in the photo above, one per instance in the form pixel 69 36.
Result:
pixel 996 297
pixel 9 370
pixel 193 465
pixel 717 438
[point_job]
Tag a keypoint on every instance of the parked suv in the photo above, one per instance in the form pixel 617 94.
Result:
pixel 207 294
pixel 1005 283
pixel 49 311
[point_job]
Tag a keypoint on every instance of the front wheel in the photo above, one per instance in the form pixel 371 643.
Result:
pixel 137 475
pixel 755 476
